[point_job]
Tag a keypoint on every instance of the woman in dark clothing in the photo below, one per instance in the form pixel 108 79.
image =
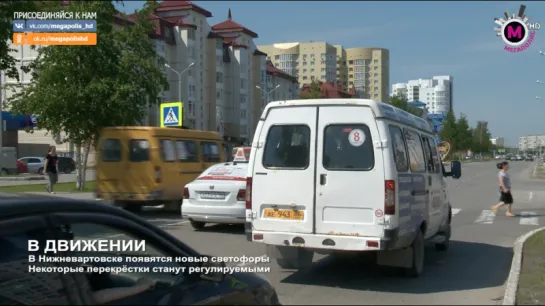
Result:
pixel 506 198
pixel 50 168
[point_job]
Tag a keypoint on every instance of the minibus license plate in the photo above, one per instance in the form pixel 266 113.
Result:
pixel 287 214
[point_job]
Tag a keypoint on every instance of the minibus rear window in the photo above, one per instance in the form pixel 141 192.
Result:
pixel 287 146
pixel 111 150
pixel 348 147
pixel 139 150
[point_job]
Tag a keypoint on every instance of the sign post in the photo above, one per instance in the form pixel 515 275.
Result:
pixel 172 114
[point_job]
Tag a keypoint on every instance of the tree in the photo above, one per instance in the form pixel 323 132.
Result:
pixel 449 133
pixel 401 102
pixel 481 138
pixel 463 134
pixel 79 90
pixel 314 91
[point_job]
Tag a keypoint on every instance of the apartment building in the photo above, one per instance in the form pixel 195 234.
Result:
pixel 436 92
pixel 364 69
pixel 532 142
pixel 219 66
pixel 498 142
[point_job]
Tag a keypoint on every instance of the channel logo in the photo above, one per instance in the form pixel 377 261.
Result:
pixel 516 30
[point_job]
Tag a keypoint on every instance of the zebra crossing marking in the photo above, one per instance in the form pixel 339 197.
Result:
pixel 455 211
pixel 528 218
pixel 486 217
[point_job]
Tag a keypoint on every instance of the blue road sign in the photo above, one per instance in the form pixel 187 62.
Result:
pixel 171 114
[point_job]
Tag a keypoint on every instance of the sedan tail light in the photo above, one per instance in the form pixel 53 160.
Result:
pixel 241 196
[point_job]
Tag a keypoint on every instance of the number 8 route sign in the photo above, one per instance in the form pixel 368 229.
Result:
pixel 356 137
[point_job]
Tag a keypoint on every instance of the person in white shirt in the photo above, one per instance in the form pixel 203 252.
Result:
pixel 506 197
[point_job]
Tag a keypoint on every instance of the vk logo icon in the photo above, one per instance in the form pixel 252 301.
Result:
pixel 18 25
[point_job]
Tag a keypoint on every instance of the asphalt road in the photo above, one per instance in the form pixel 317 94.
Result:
pixel 63 178
pixel 473 271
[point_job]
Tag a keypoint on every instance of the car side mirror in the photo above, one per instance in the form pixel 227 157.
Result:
pixel 456 169
pixel 212 271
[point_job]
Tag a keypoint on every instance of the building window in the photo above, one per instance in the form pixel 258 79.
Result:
pixel 191 34
pixel 277 57
pixel 242 83
pixel 242 98
pixel 218 94
pixel 323 69
pixel 219 77
pixel 243 114
pixel 375 62
pixel 312 63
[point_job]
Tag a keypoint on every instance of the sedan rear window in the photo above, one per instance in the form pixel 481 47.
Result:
pixel 139 150
pixel 111 150
pixel 348 147
pixel 287 146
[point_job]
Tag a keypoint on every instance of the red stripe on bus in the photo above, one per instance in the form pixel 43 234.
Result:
pixel 221 178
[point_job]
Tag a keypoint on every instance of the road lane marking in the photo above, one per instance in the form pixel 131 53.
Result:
pixel 528 218
pixel 531 196
pixel 486 217
pixel 455 211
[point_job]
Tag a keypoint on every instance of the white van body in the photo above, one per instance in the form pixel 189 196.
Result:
pixel 331 175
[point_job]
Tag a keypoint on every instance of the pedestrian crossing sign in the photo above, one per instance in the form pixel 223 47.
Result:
pixel 172 114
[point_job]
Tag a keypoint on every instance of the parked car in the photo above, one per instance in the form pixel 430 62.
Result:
pixel 218 195
pixel 529 158
pixel 21 167
pixel 34 164
pixel 49 219
pixel 66 165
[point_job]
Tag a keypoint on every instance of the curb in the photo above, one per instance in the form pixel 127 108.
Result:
pixel 510 296
pixel 15 178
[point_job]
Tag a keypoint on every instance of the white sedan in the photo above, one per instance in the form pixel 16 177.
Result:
pixel 218 195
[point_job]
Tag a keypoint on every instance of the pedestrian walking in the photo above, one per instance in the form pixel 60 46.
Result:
pixel 506 197
pixel 50 169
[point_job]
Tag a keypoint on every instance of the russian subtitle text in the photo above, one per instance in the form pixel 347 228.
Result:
pixel 159 264
pixel 54 15
pixel 97 245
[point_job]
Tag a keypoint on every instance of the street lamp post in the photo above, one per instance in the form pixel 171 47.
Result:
pixel 179 78
pixel 268 93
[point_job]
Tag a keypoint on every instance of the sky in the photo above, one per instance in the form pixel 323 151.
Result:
pixel 424 39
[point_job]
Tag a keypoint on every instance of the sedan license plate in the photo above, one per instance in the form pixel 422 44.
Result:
pixel 212 195
pixel 286 214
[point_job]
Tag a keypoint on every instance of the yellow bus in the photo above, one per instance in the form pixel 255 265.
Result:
pixel 148 166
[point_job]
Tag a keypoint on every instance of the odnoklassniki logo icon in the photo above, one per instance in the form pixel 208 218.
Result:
pixel 516 30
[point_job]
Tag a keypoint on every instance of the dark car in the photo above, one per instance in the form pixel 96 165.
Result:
pixel 30 226
pixel 66 164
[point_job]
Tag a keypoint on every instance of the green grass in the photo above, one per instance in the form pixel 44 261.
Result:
pixel 90 186
pixel 531 290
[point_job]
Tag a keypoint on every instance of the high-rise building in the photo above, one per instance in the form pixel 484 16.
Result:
pixel 498 141
pixel 369 72
pixel 436 92
pixel 364 69
pixel 532 142
pixel 219 91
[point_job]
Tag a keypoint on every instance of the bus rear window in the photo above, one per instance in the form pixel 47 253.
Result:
pixel 139 150
pixel 111 150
